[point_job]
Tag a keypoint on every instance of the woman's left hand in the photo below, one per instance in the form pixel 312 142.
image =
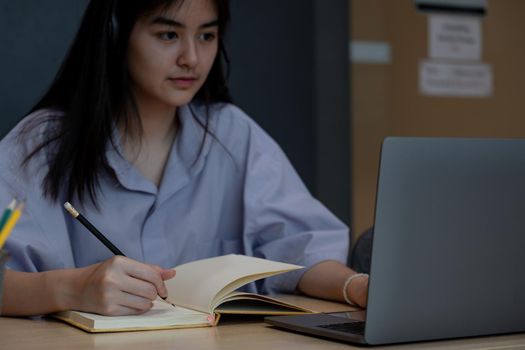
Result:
pixel 357 290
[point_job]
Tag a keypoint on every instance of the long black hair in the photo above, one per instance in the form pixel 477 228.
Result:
pixel 92 91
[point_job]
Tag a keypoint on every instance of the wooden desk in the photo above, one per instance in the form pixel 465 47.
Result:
pixel 232 333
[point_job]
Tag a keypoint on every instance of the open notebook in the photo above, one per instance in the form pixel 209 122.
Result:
pixel 202 290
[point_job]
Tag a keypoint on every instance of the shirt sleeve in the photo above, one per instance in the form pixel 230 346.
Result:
pixel 282 221
pixel 39 241
pixel 29 248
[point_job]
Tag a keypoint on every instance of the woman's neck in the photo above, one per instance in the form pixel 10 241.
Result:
pixel 149 149
pixel 159 123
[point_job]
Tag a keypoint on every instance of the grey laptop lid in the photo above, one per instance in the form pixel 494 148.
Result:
pixel 448 256
pixel 448 253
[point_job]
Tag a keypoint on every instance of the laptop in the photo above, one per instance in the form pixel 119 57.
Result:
pixel 448 253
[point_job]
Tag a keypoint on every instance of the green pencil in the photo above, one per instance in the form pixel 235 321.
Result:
pixel 7 213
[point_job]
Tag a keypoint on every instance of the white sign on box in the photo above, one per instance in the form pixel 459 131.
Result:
pixel 454 37
pixel 455 79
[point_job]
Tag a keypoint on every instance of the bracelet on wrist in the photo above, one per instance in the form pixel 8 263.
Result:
pixel 347 283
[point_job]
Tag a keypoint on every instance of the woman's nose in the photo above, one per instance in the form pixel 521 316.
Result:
pixel 188 55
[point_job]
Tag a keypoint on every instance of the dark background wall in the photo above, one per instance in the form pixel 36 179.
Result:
pixel 34 36
pixel 289 71
pixel 272 74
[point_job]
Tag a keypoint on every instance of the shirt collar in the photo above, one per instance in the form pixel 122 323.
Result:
pixel 186 159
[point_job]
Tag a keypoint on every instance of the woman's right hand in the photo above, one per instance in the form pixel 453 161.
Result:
pixel 119 286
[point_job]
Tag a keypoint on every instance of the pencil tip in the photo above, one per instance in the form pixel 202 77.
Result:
pixel 12 205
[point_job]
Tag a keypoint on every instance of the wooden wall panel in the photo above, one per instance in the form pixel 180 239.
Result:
pixel 386 100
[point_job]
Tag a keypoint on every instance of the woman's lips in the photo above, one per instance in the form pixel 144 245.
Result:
pixel 183 82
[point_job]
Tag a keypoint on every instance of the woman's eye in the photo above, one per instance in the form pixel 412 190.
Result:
pixel 207 36
pixel 168 36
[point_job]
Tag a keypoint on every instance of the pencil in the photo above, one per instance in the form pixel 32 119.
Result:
pixel 92 229
pixel 7 212
pixel 10 224
pixel 74 213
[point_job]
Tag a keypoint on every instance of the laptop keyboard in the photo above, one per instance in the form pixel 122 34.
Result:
pixel 348 327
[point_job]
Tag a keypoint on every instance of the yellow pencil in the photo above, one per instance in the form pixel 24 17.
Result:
pixel 7 213
pixel 10 224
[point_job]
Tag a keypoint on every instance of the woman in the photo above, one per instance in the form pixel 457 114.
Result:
pixel 138 133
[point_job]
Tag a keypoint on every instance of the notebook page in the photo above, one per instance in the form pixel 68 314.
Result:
pixel 197 284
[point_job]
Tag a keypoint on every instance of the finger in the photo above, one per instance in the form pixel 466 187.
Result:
pixel 140 288
pixel 134 277
pixel 128 305
pixel 119 310
pixel 134 303
pixel 146 273
pixel 121 303
pixel 167 274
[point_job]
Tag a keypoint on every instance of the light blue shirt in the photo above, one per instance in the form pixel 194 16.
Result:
pixel 240 195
